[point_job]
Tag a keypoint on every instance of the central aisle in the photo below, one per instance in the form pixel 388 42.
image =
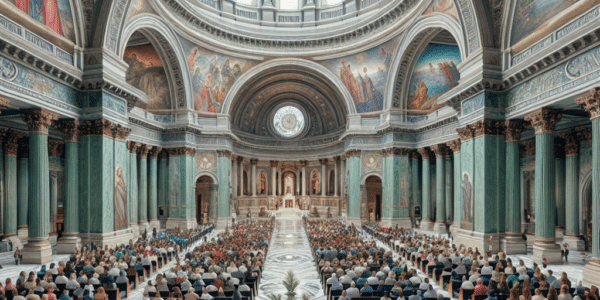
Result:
pixel 290 250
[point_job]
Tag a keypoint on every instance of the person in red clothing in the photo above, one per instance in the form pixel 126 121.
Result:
pixel 480 289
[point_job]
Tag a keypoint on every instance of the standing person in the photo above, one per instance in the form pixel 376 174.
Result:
pixel 566 249
pixel 18 256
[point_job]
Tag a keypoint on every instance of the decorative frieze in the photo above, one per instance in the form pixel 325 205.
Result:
pixel 38 120
pixel 69 129
pixel 96 128
pixel 514 129
pixel 395 152
pixel 590 102
pixel 543 119
pixel 352 153
pixel 571 143
pixel 11 143
pixel 425 153
pixel 487 127
pixel 454 145
pixel 55 148
pixel 466 133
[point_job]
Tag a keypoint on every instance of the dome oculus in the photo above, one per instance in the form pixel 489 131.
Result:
pixel 288 121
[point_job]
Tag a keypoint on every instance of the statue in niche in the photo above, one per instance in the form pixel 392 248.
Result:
pixel 120 200
pixel 315 185
pixel 289 184
pixel 262 183
pixel 467 189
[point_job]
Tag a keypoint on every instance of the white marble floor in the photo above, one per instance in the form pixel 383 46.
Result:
pixel 290 250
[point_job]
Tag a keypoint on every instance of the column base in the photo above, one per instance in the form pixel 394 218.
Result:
pixel 559 232
pixel 53 238
pixel 135 229
pixel 23 233
pixel 68 243
pixel 14 240
pixel 546 248
pixel 143 226
pixel 426 225
pixel 591 273
pixel 575 242
pixel 391 222
pixel 173 223
pixel 223 222
pixel 356 221
pixel 440 227
pixel 513 243
pixel 155 224
pixel 477 239
pixel 37 251
pixel 110 239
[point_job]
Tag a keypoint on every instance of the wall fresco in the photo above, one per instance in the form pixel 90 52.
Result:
pixel 442 6
pixel 147 73
pixel 56 14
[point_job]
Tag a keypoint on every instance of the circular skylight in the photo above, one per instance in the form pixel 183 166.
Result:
pixel 288 121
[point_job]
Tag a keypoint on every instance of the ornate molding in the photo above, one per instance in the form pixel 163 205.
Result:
pixel 323 161
pixel 69 129
pixel 487 127
pixel 527 147
pixel 543 119
pixel 466 133
pixel 143 150
pixel 154 151
pixel 133 147
pixel 38 120
pixel 226 153
pixel 395 152
pixel 121 133
pixel 11 143
pixel 514 129
pixel 454 145
pixel 274 163
pixel 97 127
pixel 353 153
pixel 55 148
pixel 590 102
pixel 425 153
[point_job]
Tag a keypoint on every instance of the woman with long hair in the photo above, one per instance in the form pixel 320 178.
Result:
pixel 552 294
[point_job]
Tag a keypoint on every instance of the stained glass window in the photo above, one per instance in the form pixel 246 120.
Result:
pixel 288 121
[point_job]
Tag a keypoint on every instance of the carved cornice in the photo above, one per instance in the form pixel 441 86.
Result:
pixel 69 129
pixel 38 120
pixel 454 145
pixel 514 129
pixel 395 152
pixel 154 151
pixel 24 147
pixel 590 102
pixel 224 153
pixel 97 127
pixel 352 153
pixel 11 143
pixel 143 151
pixel 55 148
pixel 487 127
pixel 323 161
pixel 425 153
pixel 274 164
pixel 133 147
pixel 543 119
pixel 466 133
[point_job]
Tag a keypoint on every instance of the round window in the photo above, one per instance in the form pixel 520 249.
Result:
pixel 288 121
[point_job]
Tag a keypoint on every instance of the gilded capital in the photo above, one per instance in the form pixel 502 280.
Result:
pixel 254 161
pixel 590 102
pixel 97 127
pixel 154 151
pixel 466 133
pixel 163 154
pixel 353 152
pixel 425 153
pixel 11 143
pixel 133 146
pixel 454 145
pixel 323 161
pixel 121 132
pixel 224 153
pixel 38 120
pixel 571 143
pixel 514 129
pixel 274 163
pixel 543 119
pixel 55 148
pixel 69 129
pixel 487 127
pixel 143 152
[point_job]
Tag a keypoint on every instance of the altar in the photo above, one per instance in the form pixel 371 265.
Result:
pixel 289 201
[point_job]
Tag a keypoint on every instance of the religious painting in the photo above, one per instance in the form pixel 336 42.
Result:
pixel 147 73
pixel 262 183
pixel 535 19
pixel 435 73
pixel 205 161
pixel 212 75
pixel 56 14
pixel 288 183
pixel 442 6
pixel 467 190
pixel 120 200
pixel 315 183
pixel 365 75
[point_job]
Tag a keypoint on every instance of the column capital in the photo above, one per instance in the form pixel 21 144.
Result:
pixel 425 153
pixel 514 129
pixel 323 161
pixel 133 147
pixel 38 120
pixel 183 151
pixel 543 119
pixel 303 163
pixel 254 161
pixel 154 151
pixel 120 133
pixel 353 152
pixel 337 159
pixel 414 154
pixel 224 153
pixel 163 154
pixel 454 145
pixel 590 101
pixel 466 133
pixel 11 142
pixel 440 150
pixel 97 127
pixel 527 147
pixel 240 159
pixel 487 127
pixel 143 150
pixel 395 152
pixel 69 129
pixel 572 141
pixel 55 148
pixel 585 134
pixel 24 147
pixel 274 163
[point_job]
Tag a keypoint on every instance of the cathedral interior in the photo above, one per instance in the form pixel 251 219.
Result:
pixel 475 117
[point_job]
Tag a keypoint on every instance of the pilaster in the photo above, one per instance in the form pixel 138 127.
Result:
pixel 163 183
pixel 10 146
pixel 153 187
pixel 354 192
pixel 23 189
pixel 182 189
pixel 223 175
pixel 544 121
pixel 457 199
pixel 559 165
pixel 426 222
pixel 440 188
pixel 143 187
pixel 396 185
pixel 572 234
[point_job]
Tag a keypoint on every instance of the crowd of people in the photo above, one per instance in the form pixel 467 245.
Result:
pixel 99 273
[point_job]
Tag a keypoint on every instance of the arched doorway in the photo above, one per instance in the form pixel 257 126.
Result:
pixel 203 195
pixel 374 192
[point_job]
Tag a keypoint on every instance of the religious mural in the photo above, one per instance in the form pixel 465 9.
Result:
pixel 212 75
pixel 365 75
pixel 205 161
pixel 467 190
pixel 442 6
pixel 262 183
pixel 56 14
pixel 120 200
pixel 147 73
pixel 532 15
pixel 289 183
pixel 315 183
pixel 435 73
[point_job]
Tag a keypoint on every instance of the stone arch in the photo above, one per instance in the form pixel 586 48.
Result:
pixel 169 49
pixel 212 175
pixel 255 71
pixel 411 46
pixel 374 173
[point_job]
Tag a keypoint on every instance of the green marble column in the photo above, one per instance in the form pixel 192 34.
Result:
pixel 163 177
pixel 560 190
pixel 143 186
pixel 214 202
pixel 53 202
pixel 440 188
pixel 448 181
pixel 391 189
pixel 514 128
pixel 153 184
pixel 456 182
pixel 223 176
pixel 426 189
pixel 23 184
pixel 596 185
pixel 133 183
pixel 416 183
pixel 544 121
pixel 71 187
pixel 10 183
pixel 354 192
pixel 571 184
pixel 38 249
